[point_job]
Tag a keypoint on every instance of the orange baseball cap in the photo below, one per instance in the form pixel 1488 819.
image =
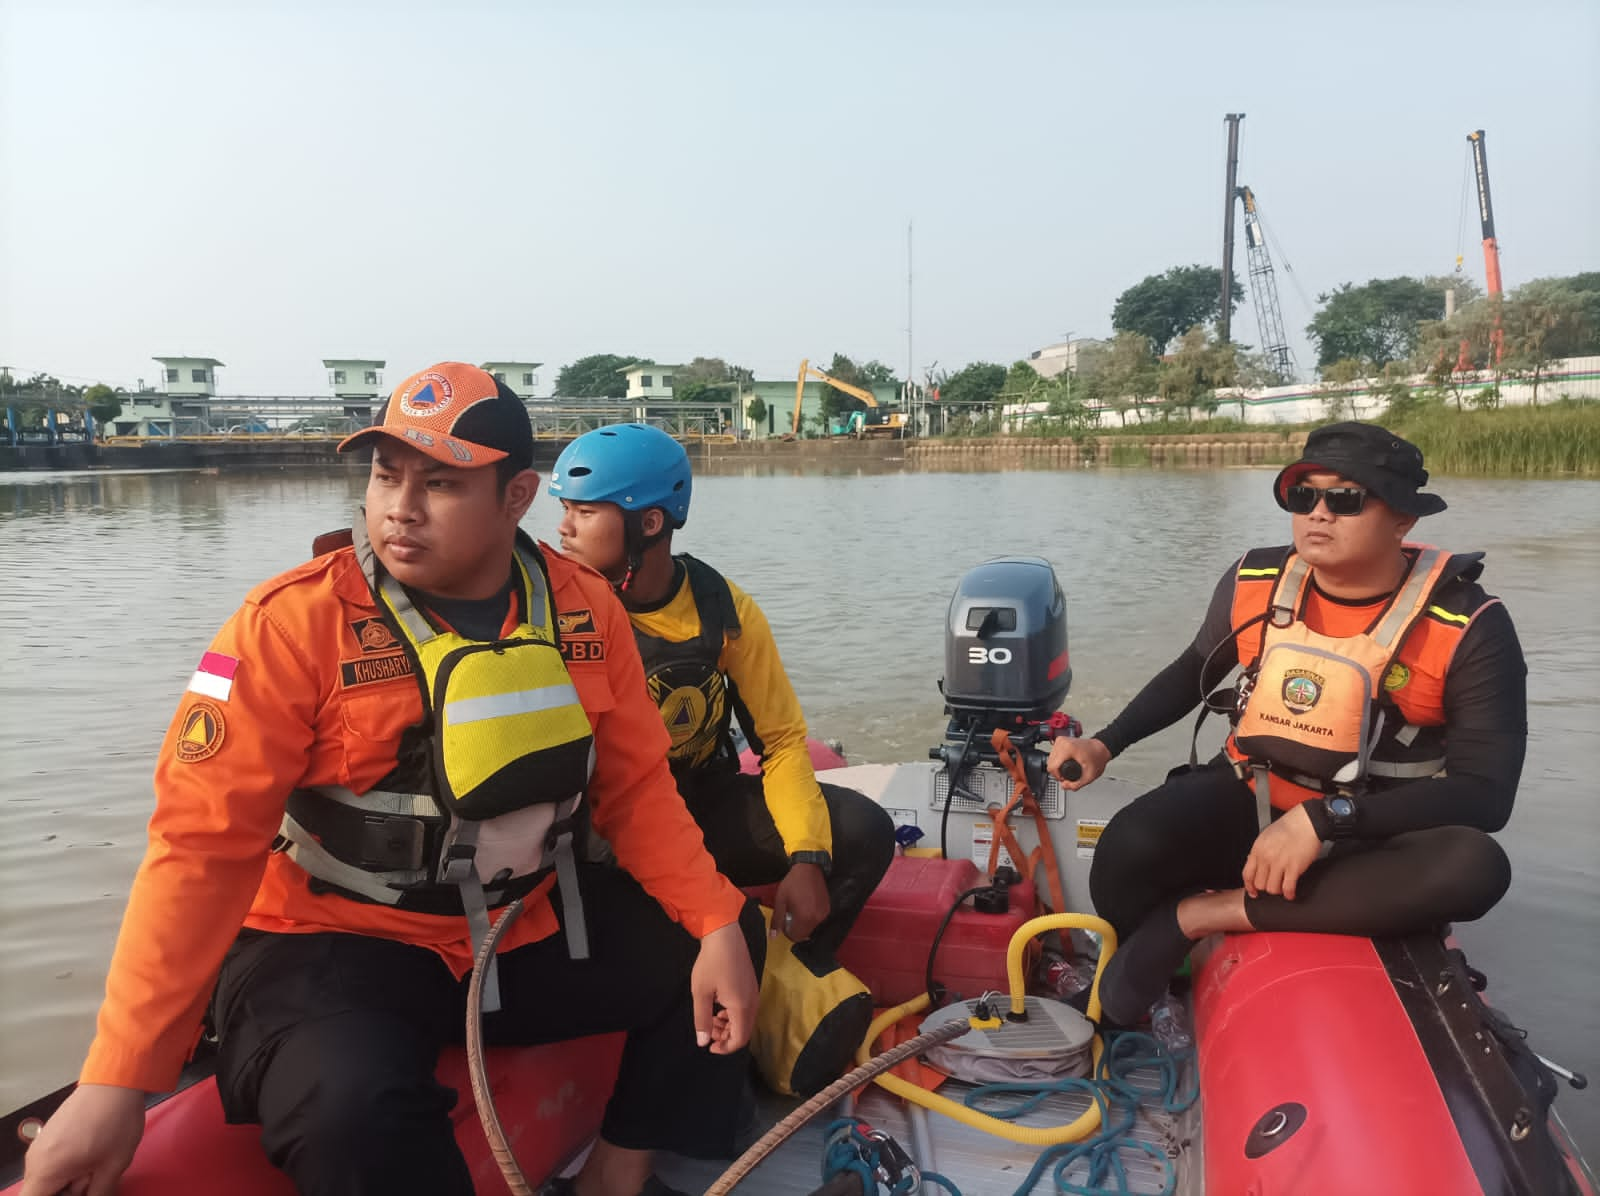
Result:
pixel 455 413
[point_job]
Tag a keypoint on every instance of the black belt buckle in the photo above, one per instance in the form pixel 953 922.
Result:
pixel 390 844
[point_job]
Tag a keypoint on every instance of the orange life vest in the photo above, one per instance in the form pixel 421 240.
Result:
pixel 1325 706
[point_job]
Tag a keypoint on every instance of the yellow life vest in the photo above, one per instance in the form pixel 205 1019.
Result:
pixel 511 753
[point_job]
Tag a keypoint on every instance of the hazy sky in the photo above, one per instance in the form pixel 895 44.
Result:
pixel 271 184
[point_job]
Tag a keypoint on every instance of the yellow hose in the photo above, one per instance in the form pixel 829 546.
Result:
pixel 1075 1131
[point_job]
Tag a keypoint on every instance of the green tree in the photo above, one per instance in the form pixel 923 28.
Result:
pixel 1188 379
pixel 1243 370
pixel 1400 399
pixel 1340 381
pixel 1022 381
pixel 1587 288
pixel 1128 375
pixel 1541 322
pixel 598 376
pixel 1450 352
pixel 1164 306
pixel 1381 320
pixel 697 392
pixel 979 383
pixel 875 373
pixel 104 403
pixel 710 369
pixel 756 410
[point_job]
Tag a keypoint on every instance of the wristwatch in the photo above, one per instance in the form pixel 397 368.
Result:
pixel 820 858
pixel 1342 814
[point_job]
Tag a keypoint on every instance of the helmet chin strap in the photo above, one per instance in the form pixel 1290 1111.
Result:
pixel 634 545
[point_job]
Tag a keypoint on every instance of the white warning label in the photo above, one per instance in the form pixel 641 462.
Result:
pixel 982 840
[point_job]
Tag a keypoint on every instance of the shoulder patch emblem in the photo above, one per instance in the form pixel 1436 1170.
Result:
pixel 202 734
pixel 1396 677
pixel 576 622
pixel 373 635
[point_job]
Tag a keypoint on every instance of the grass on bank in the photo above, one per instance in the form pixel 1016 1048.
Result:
pixel 1558 438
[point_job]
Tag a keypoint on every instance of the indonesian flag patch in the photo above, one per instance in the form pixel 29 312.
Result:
pixel 214 677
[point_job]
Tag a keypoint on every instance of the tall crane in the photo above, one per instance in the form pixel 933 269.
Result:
pixel 1491 248
pixel 1264 290
pixel 1263 282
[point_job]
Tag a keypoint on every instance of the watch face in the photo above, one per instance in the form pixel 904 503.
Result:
pixel 1341 807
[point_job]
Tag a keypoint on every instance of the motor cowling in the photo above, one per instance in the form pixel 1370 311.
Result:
pixel 1005 651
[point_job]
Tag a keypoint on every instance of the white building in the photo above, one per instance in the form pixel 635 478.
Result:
pixel 518 375
pixel 1054 359
pixel 354 377
pixel 649 381
pixel 189 376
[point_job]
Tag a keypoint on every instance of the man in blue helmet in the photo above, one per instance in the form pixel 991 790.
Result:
pixel 710 657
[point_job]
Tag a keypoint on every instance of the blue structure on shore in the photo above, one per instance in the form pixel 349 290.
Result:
pixel 52 433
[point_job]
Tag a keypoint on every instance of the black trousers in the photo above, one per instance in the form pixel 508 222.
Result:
pixel 731 808
pixel 1195 832
pixel 330 1041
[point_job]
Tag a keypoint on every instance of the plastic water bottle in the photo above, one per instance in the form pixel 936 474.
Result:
pixel 1065 978
pixel 1169 1022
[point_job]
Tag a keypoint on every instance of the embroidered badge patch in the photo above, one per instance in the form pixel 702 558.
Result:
pixel 202 734
pixel 429 395
pixel 575 622
pixel 373 635
pixel 1302 689
pixel 1396 677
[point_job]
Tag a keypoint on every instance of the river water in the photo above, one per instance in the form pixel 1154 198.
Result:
pixel 114 583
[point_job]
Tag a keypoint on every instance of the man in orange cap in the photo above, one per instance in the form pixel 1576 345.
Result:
pixel 379 747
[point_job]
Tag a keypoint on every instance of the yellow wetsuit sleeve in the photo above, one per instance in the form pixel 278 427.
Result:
pixel 751 661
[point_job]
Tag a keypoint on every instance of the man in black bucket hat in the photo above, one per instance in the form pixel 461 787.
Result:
pixel 1373 457
pixel 1379 723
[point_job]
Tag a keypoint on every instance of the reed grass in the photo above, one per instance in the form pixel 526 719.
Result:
pixel 1561 438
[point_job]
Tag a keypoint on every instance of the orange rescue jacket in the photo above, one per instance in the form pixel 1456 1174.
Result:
pixel 304 686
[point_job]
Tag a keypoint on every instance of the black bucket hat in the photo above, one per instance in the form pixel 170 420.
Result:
pixel 1371 456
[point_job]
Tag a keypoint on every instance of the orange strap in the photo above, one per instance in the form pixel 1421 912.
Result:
pixel 914 1070
pixel 1022 794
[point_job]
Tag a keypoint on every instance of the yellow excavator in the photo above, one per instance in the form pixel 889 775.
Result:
pixel 859 423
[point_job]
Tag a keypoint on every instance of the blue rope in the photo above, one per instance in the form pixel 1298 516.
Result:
pixel 1116 1091
pixel 1119 1095
pixel 848 1149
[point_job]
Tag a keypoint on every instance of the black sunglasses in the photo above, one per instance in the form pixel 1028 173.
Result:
pixel 1341 500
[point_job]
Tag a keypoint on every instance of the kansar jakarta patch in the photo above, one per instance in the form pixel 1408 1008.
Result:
pixel 369 670
pixel 203 731
pixel 1302 689
pixel 576 622
pixel 373 635
pixel 1396 677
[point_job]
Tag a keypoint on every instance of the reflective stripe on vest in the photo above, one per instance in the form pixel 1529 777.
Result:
pixel 1313 712
pixel 512 751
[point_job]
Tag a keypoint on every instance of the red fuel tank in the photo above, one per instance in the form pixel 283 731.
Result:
pixel 888 946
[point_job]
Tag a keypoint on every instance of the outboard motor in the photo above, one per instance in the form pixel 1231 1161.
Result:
pixel 1005 649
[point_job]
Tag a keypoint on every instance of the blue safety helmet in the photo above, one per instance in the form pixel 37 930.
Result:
pixel 635 466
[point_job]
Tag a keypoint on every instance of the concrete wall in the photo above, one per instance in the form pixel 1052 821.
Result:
pixel 1578 377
